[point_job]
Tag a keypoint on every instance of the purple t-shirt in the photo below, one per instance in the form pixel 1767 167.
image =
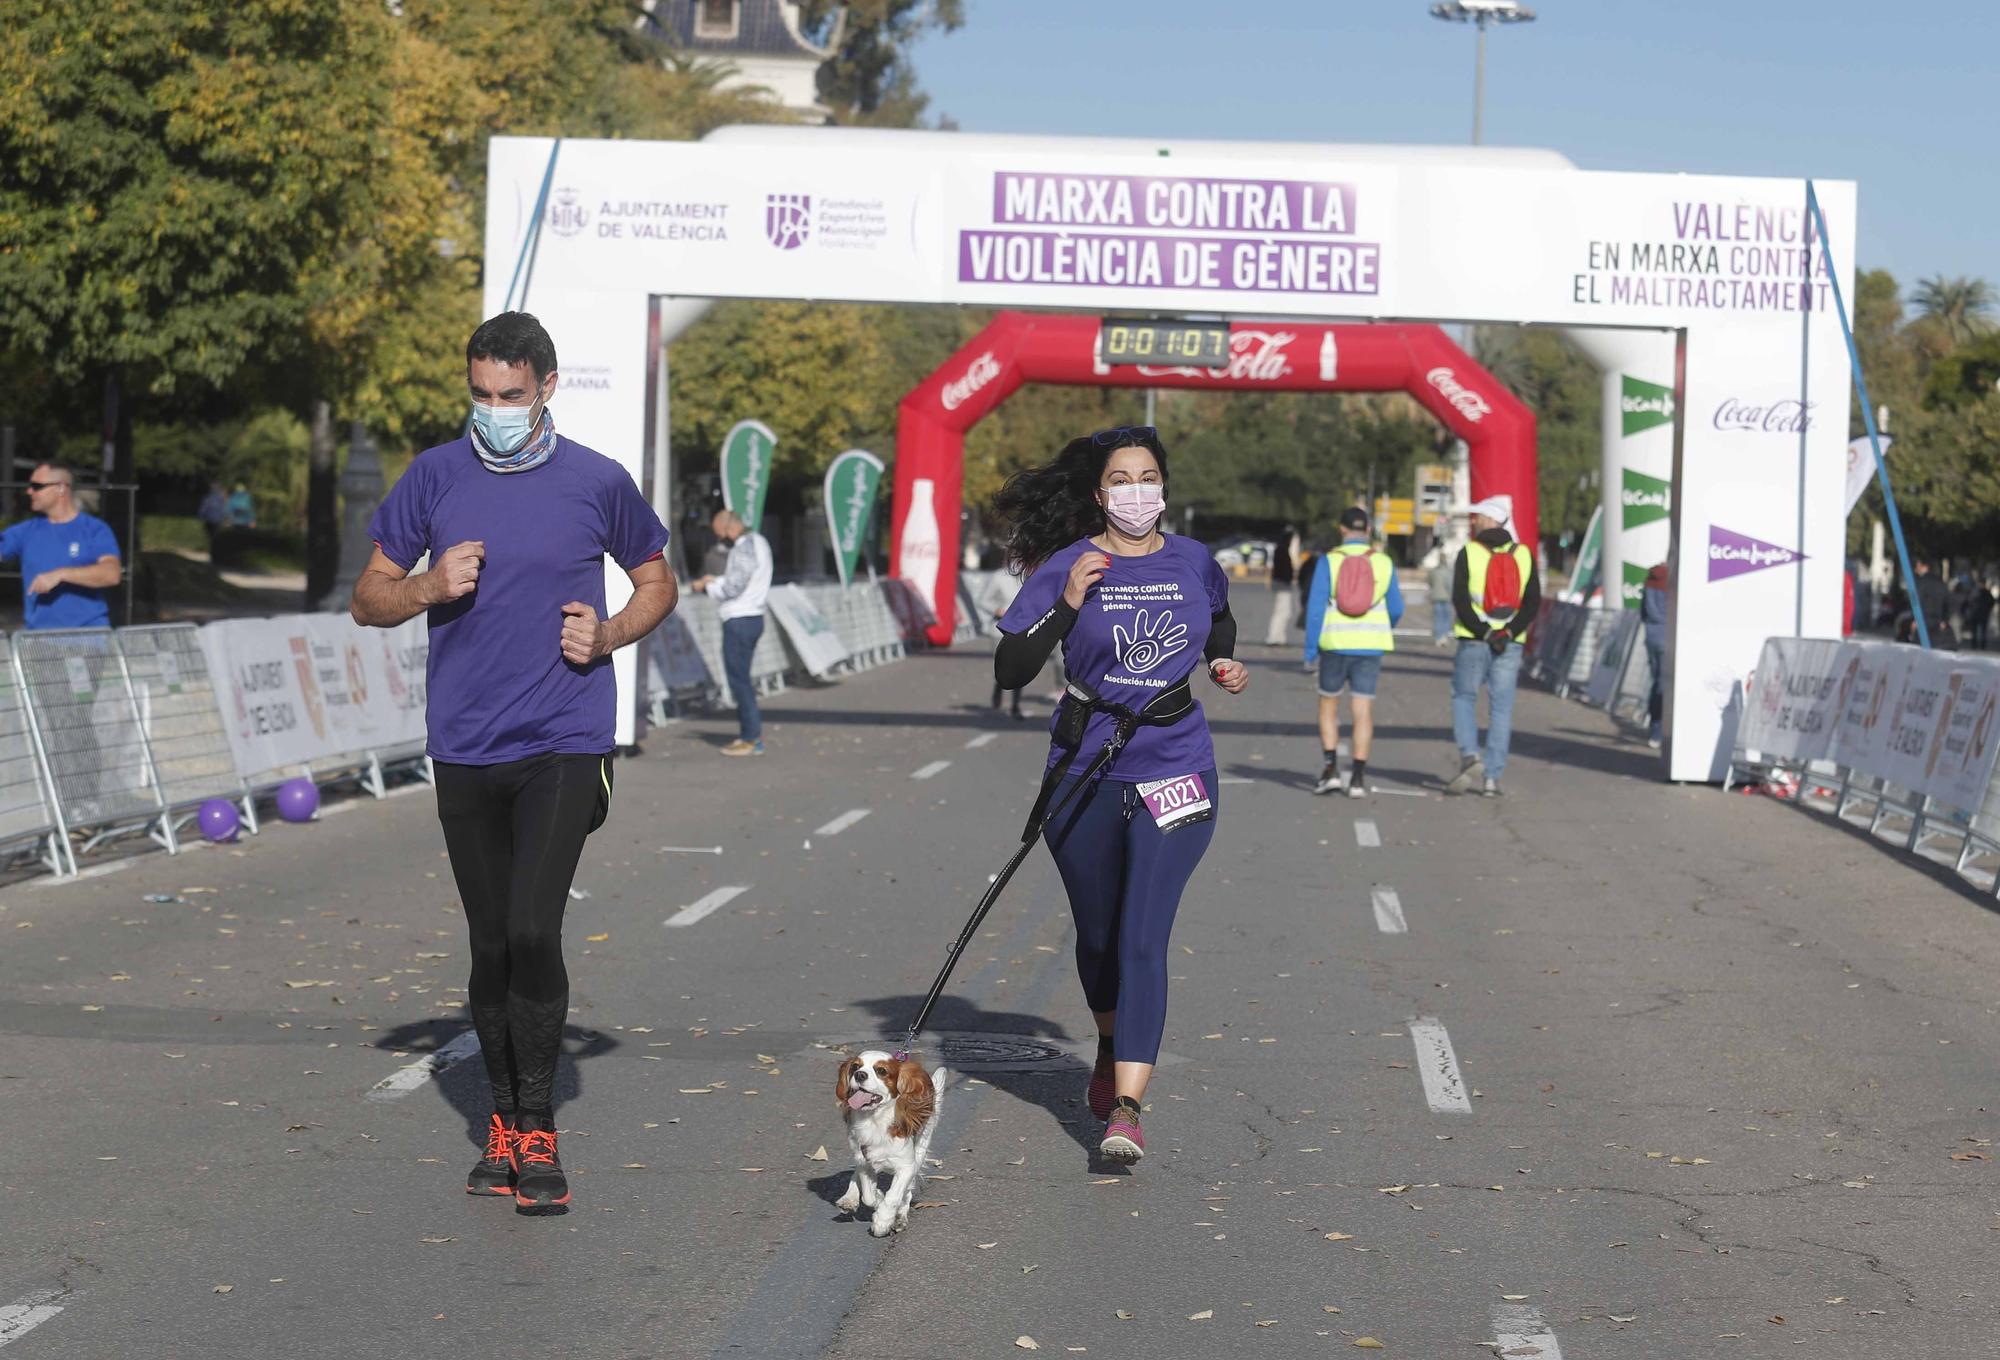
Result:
pixel 1140 631
pixel 499 687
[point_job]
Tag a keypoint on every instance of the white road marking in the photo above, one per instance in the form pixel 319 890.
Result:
pixel 1234 779
pixel 407 1079
pixel 28 1312
pixel 842 822
pixel 935 767
pixel 1389 912
pixel 1367 835
pixel 695 911
pixel 982 739
pixel 1438 1065
pixel 689 850
pixel 1519 1331
pixel 1397 793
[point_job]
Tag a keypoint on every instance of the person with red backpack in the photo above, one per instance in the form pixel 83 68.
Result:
pixel 1351 616
pixel 1495 596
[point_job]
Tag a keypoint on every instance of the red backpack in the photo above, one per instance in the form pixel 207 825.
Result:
pixel 1354 584
pixel 1503 585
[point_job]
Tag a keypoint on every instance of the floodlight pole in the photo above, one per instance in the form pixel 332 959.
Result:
pixel 1480 13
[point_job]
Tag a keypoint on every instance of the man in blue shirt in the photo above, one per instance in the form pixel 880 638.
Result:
pixel 69 560
pixel 1349 630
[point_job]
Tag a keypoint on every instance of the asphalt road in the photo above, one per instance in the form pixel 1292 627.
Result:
pixel 1647 1072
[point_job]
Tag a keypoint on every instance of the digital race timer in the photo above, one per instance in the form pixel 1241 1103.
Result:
pixel 1195 344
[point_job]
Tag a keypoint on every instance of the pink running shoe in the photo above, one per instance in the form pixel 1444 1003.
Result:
pixel 1123 1141
pixel 1103 1091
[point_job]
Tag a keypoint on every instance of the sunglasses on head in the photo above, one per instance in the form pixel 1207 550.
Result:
pixel 1126 434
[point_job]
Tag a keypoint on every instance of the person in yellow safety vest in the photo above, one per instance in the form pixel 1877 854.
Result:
pixel 1489 646
pixel 1349 647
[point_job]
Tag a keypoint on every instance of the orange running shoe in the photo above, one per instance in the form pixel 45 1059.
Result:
pixel 493 1173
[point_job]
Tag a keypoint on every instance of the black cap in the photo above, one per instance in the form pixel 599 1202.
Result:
pixel 1354 517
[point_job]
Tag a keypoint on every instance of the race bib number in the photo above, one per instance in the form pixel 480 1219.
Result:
pixel 1179 801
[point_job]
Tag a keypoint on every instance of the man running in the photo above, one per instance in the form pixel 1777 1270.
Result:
pixel 521 715
pixel 1351 617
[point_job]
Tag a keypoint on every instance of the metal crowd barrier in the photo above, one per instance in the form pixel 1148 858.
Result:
pixel 30 821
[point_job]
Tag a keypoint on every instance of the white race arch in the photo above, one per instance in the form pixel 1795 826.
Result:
pixel 1267 230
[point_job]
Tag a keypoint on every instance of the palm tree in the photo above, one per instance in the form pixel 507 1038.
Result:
pixel 1958 308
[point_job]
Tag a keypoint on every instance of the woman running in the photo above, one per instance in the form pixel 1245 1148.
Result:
pixel 1136 610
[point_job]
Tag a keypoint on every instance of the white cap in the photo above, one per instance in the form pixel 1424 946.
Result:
pixel 1499 509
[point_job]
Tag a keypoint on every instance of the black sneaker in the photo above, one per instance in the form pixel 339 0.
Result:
pixel 1329 780
pixel 539 1184
pixel 493 1173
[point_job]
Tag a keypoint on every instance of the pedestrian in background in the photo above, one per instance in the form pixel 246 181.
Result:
pixel 1438 578
pixel 739 595
pixel 1653 617
pixel 213 513
pixel 1979 612
pixel 517 522
pixel 1308 563
pixel 1351 618
pixel 242 508
pixel 1283 575
pixel 69 558
pixel 1495 595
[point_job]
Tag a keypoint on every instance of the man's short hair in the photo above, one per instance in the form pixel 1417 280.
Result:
pixel 513 338
pixel 1354 518
pixel 68 476
pixel 726 515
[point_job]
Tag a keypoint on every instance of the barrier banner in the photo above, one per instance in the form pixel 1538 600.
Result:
pixel 676 655
pixel 811 636
pixel 1797 698
pixel 1614 649
pixel 306 687
pixel 1960 765
pixel 1872 693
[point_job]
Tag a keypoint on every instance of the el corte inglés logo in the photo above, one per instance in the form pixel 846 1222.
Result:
pixel 1646 500
pixel 1643 405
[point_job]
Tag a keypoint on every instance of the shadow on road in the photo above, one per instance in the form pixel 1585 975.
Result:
pixel 463 1085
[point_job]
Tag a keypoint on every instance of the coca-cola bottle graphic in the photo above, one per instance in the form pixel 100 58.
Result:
pixel 1329 359
pixel 921 548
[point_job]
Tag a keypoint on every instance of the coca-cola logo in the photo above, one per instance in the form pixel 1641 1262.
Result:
pixel 982 371
pixel 1254 356
pixel 1464 400
pixel 1787 415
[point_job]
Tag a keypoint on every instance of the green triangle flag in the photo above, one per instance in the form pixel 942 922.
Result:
pixel 1644 405
pixel 1645 499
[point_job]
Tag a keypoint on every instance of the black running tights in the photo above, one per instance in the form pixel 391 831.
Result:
pixel 515 832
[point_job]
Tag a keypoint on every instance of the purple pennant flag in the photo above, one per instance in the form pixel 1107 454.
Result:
pixel 1732 554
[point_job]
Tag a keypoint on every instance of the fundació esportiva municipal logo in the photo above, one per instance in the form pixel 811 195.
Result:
pixel 788 219
pixel 567 215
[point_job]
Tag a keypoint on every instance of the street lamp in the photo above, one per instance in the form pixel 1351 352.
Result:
pixel 1482 13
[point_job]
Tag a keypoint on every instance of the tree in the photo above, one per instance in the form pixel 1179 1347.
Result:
pixel 869 81
pixel 1953 310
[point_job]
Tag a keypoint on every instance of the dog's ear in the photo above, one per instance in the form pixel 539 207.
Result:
pixel 915 1099
pixel 840 1082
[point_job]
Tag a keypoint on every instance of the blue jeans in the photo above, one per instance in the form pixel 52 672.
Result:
pixel 739 644
pixel 1656 662
pixel 1441 612
pixel 1477 665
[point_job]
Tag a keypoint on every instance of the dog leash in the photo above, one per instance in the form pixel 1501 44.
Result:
pixel 1165 708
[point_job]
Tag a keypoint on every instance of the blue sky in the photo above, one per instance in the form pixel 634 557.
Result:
pixel 1898 97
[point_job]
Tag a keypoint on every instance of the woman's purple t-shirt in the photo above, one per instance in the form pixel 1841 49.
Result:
pixel 1141 630
pixel 499 688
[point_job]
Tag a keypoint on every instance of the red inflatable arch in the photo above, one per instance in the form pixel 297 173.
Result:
pixel 1022 347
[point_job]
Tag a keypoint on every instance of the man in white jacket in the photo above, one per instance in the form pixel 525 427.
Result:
pixel 739 595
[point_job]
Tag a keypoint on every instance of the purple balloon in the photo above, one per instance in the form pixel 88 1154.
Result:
pixel 219 820
pixel 298 800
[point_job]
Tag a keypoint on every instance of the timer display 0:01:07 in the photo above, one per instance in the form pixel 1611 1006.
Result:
pixel 1138 343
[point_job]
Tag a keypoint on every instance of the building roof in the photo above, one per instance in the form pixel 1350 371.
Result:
pixel 765 28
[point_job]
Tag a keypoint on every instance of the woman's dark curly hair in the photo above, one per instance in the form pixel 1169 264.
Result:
pixel 1047 508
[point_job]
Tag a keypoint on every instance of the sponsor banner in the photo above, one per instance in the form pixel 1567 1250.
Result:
pixel 1589 559
pixel 746 469
pixel 1959 768
pixel 1873 679
pixel 1632 583
pixel 852 480
pixel 1733 554
pixel 306 687
pixel 1861 467
pixel 1643 405
pixel 1643 499
pixel 811 636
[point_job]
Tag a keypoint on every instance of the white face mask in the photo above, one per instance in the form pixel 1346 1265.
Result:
pixel 1134 507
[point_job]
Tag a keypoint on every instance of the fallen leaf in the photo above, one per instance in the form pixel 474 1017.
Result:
pixel 224 1288
pixel 1107 1180
pixel 1778 1318
pixel 1369 1343
pixel 818 1154
pixel 751 1169
pixel 1202 1316
pixel 1328 1308
pixel 433 1241
pixel 1124 1316
pixel 1268 1322
pixel 1969 1157
pixel 633 1166
pixel 987 1246
pixel 1026 1343
pixel 1633 1317
pixel 1340 1237
pixel 598 939
pixel 1392 1189
pixel 1513 1298
pixel 1026 1270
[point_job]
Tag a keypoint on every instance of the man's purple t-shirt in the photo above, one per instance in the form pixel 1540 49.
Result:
pixel 1141 630
pixel 499 687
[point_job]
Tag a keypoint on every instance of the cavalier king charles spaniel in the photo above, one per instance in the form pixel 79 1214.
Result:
pixel 891 1107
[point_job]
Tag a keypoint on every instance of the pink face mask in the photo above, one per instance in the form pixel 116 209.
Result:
pixel 1134 507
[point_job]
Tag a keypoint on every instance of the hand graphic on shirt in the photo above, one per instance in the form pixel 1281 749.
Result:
pixel 1150 642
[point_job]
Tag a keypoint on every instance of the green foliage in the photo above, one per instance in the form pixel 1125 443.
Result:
pixel 869 82
pixel 1564 390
